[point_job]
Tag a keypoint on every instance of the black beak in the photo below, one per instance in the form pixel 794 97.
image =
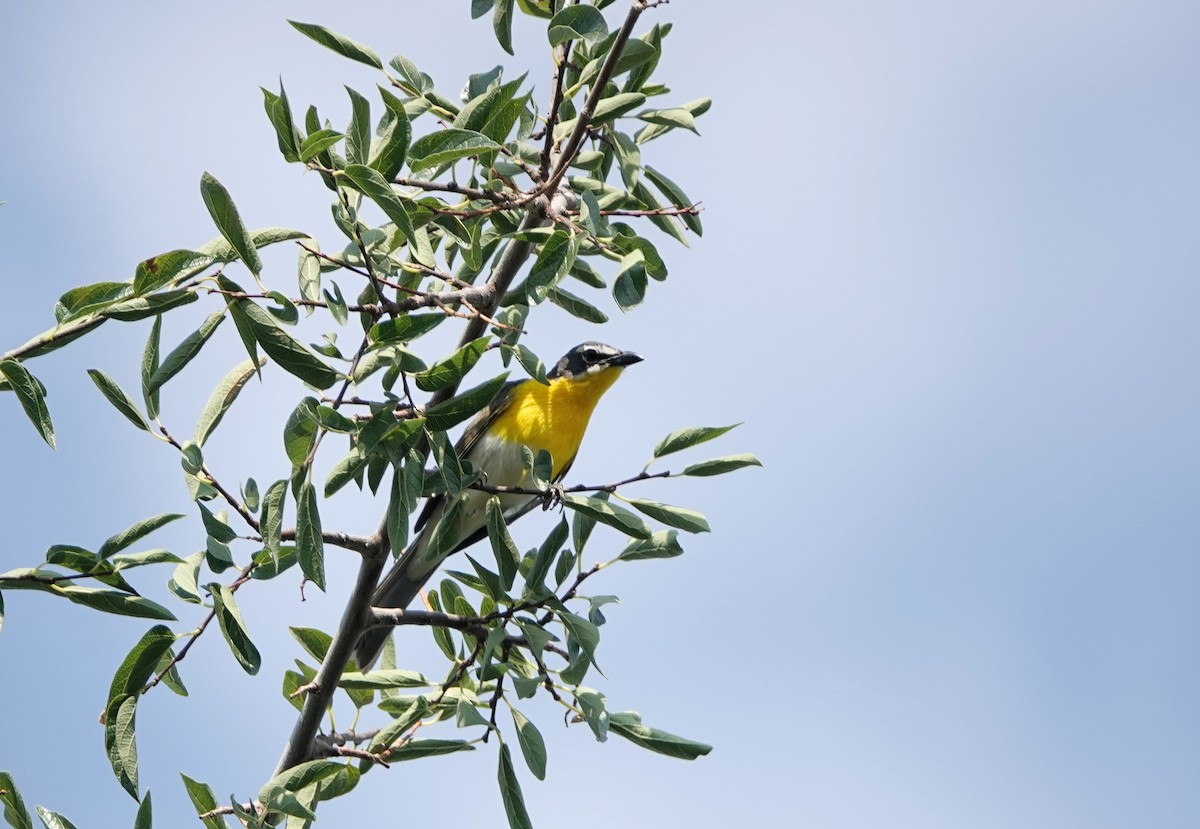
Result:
pixel 625 358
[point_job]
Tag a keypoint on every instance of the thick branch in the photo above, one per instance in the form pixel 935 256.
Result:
pixel 354 620
pixel 54 338
pixel 384 616
pixel 451 187
pixel 358 543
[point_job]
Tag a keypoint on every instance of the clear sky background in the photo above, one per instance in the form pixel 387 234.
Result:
pixel 949 282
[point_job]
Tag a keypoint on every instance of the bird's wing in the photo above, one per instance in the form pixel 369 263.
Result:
pixel 470 437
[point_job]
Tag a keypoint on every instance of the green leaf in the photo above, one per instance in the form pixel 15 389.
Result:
pixel 446 533
pixel 663 544
pixel 185 351
pixel 170 674
pixel 582 525
pixel 510 791
pixel 14 805
pixel 53 820
pixel 629 725
pixel 418 80
pixel 117 396
pixel 310 548
pixel 416 749
pixel 378 190
pixel 668 122
pixel 529 361
pixel 594 711
pixel 445 146
pixel 395 678
pixel 138 308
pixel 29 393
pixel 268 569
pixel 215 527
pixel 149 366
pixel 676 117
pixel 300 431
pixel 151 274
pixel 272 518
pixel 533 747
pixel 450 413
pixel 309 272
pixel 405 328
pixel 610 514
pixel 502 19
pixel 204 800
pixel 452 369
pixel 234 628
pixel 629 289
pixel 685 438
pixel 582 632
pixel 144 814
pixel 617 105
pixel 345 471
pixel 317 142
pixel 280 346
pixel 221 250
pixel 286 311
pixel 183 580
pixel 719 466
pixel 681 517
pixel 120 741
pixel 467 715
pixel 545 555
pixel 358 134
pixel 554 260
pixel 577 22
pixel 136 532
pixel 295 779
pixel 394 137
pixel 88 299
pixel 507 556
pixel 223 396
pixel 139 664
pixel 225 217
pixel 392 732
pixel 279 113
pixel 676 197
pixel 566 563
pixel 576 307
pixel 123 561
pixel 341 44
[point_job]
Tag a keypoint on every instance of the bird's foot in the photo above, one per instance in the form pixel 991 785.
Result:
pixel 553 497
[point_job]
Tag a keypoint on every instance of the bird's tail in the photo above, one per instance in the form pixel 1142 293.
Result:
pixel 398 589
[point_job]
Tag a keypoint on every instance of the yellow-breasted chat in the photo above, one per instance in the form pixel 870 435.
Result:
pixel 528 413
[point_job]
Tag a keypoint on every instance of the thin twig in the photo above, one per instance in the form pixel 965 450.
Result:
pixel 520 490
pixel 241 508
pixel 452 187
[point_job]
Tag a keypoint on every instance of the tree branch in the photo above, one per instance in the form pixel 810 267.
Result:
pixel 583 121
pixel 54 338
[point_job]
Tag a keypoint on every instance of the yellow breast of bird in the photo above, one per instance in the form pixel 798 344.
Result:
pixel 553 417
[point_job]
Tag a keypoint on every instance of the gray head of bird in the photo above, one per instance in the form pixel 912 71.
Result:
pixel 592 358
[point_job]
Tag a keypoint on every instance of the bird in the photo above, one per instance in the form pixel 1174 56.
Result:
pixel 551 416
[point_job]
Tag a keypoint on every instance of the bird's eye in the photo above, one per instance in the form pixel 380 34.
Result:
pixel 591 355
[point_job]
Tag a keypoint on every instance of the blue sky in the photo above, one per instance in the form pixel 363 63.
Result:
pixel 949 282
